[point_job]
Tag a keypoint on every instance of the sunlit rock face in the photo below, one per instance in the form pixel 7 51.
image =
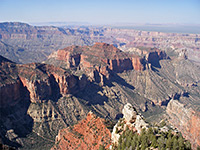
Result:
pixel 186 120
pixel 89 133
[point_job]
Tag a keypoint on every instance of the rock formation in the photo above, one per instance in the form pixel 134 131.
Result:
pixel 28 96
pixel 41 81
pixel 96 61
pixel 43 98
pixel 89 133
pixel 130 120
pixel 186 120
pixel 99 55
pixel 43 40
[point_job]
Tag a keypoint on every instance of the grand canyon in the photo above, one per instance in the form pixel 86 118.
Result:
pixel 72 87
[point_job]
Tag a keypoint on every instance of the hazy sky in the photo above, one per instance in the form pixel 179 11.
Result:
pixel 101 11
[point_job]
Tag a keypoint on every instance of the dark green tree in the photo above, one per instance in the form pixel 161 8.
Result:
pixel 154 141
pixel 150 131
pixel 144 142
pixel 161 142
pixel 187 145
pixel 134 144
pixel 175 144
pixel 169 135
pixel 169 143
pixel 120 140
pixel 181 143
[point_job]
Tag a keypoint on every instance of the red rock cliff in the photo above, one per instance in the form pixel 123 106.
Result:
pixel 39 81
pixel 100 54
pixel 43 80
pixel 186 120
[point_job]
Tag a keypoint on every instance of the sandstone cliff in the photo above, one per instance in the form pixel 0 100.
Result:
pixel 101 55
pixel 186 120
pixel 30 101
pixel 96 61
pixel 41 81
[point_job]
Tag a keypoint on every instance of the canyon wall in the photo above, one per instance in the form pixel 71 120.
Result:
pixel 186 120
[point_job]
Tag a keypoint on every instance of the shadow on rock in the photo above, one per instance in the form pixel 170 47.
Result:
pixel 15 121
pixel 91 94
pixel 116 78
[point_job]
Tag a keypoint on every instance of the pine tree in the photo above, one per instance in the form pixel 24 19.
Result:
pixel 169 143
pixel 144 143
pixel 169 135
pixel 181 143
pixel 154 141
pixel 150 131
pixel 161 142
pixel 187 145
pixel 175 144
pixel 128 141
pixel 134 144
pixel 123 145
pixel 120 140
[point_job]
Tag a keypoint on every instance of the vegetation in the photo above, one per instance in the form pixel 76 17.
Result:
pixel 151 138
pixel 101 147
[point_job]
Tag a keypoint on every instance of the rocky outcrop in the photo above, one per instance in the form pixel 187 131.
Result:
pixel 44 81
pixel 154 56
pixel 39 81
pixel 101 55
pixel 130 120
pixel 8 99
pixel 90 133
pixel 96 61
pixel 183 54
pixel 186 120
pixel 129 113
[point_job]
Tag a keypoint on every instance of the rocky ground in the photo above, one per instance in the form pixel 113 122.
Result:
pixel 39 99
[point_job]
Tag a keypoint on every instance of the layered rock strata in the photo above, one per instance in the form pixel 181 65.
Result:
pixel 186 120
pixel 100 55
pixel 39 81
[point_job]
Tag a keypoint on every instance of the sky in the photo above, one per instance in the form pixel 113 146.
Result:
pixel 101 11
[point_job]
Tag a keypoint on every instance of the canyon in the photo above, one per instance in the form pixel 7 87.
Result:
pixel 51 93
pixel 22 40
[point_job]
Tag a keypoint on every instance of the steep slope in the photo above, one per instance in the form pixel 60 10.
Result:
pixel 162 80
pixel 40 40
pixel 101 78
pixel 17 54
pixel 26 112
pixel 89 133
pixel 186 120
pixel 43 40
